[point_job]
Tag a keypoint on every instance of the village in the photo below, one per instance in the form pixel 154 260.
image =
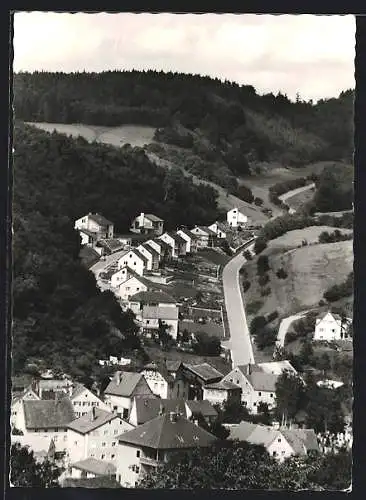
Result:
pixel 132 424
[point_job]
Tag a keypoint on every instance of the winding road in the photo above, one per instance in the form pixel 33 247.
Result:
pixel 240 343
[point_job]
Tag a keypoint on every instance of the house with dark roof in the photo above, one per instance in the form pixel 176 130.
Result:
pixel 133 285
pixel 221 391
pixel 94 436
pixel 152 256
pixel 41 421
pixel 155 443
pixel 331 326
pixel 164 250
pixel 152 307
pixel 190 238
pixel 111 245
pixel 147 224
pixel 134 260
pixel 197 376
pixel 83 400
pixel 121 390
pixel 17 399
pixel 95 225
pixel 258 384
pixel 206 237
pixel 280 443
pixel 176 242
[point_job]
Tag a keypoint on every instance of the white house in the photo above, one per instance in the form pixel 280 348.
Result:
pixel 176 242
pixel 83 400
pixel 206 237
pixel 134 284
pixel 159 380
pixel 143 449
pixel 330 326
pixel 115 276
pixel 43 421
pixel 134 260
pixel 190 238
pixel 236 218
pixel 280 443
pixel 90 468
pixel 219 229
pixel 147 223
pixel 95 435
pixel 17 404
pixel 164 250
pixel 219 392
pixel 95 224
pixel 151 255
pixel 63 386
pixel 122 389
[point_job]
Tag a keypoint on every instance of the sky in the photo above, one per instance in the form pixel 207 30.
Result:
pixel 311 55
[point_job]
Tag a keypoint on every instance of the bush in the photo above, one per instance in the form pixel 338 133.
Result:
pixel 263 279
pixel 254 306
pixel 206 345
pixel 262 264
pixel 260 245
pixel 243 272
pixel 265 337
pixel 337 292
pixel 245 193
pixel 272 316
pixel 247 254
pixel 326 237
pixel 246 285
pixel 258 201
pixel 265 292
pixel 281 274
pixel 257 324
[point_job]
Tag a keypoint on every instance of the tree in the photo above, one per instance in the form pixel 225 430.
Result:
pixel 260 245
pixel 206 345
pixel 257 323
pixel 265 337
pixel 262 264
pixel 26 472
pixel 289 396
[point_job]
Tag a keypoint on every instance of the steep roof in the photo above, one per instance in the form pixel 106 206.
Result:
pixel 92 420
pixel 241 431
pixel 202 406
pixel 324 314
pixel 163 434
pixel 47 413
pixel 156 312
pixel 162 243
pixel 148 408
pixel 261 381
pixel 150 249
pixel 189 233
pixel 98 467
pixel 308 437
pixel 149 284
pixel 153 218
pixel 99 219
pixel 111 244
pixel 139 254
pixel 154 297
pixel 126 385
pixel 222 385
pixel 207 230
pixel 204 370
pixel 294 440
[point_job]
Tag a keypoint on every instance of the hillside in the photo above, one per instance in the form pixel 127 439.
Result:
pixel 221 128
pixel 60 316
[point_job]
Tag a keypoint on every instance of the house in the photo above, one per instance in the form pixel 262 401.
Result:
pixel 83 400
pixel 258 384
pixel 197 376
pixel 176 242
pixel 147 224
pixel 206 237
pixel 116 276
pixel 111 245
pixel 95 436
pixel 219 229
pixel 134 260
pixel 53 385
pixel 95 224
pixel 42 421
pixel 92 468
pixel 221 391
pixel 21 383
pixel 156 442
pixel 166 379
pixel 153 306
pixel 280 443
pixel 235 218
pixel 133 285
pixel 330 326
pixel 190 238
pixel 17 403
pixel 144 410
pixel 152 256
pixel 121 390
pixel 164 250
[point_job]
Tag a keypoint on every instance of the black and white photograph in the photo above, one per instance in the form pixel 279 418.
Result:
pixel 182 251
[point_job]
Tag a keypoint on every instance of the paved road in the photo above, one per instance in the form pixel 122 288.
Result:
pixel 285 325
pixel 240 343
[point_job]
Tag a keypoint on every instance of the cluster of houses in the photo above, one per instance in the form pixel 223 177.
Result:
pixel 132 266
pixel 138 420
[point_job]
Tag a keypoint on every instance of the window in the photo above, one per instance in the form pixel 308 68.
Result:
pixel 254 404
pixel 283 452
pixel 103 444
pixel 274 453
pixel 92 455
pixel 134 263
pixel 137 469
pixel 148 321
pixel 138 453
pixel 56 429
pixel 271 395
pixel 113 443
pixel 115 431
pixel 125 413
pixel 259 394
pixel 137 289
pixel 75 443
pixel 102 456
pixel 279 440
pixel 113 456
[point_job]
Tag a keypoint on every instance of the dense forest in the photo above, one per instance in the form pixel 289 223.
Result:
pixel 223 124
pixel 59 313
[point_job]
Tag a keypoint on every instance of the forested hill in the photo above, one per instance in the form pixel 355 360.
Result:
pixel 221 122
pixel 60 316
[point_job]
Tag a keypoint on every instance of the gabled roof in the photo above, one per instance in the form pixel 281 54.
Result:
pixel 189 233
pixel 78 390
pixel 21 382
pixel 241 431
pixel 48 413
pixel 125 385
pixel 324 314
pixel 163 434
pixel 277 367
pixel 139 254
pixel 92 420
pixel 261 381
pixel 111 244
pixel 204 371
pixel 294 440
pixel 206 230
pixel 156 297
pixel 150 249
pixel 171 365
pixel 222 385
pixel 175 237
pixel 97 467
pixel 99 219
pixel 149 284
pixel 163 313
pixel 202 406
pixel 308 437
pixel 153 218
pixel 162 243
pixel 148 408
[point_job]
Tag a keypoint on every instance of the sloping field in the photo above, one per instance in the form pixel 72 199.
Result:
pixel 135 135
pixel 293 239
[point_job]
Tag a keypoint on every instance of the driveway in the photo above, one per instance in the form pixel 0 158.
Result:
pixel 285 325
pixel 294 192
pixel 240 342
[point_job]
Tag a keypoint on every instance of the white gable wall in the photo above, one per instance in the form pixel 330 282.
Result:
pixel 130 287
pixel 85 401
pixel 328 328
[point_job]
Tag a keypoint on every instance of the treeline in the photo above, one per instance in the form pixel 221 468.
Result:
pixel 235 124
pixel 337 235
pixel 344 289
pixel 60 316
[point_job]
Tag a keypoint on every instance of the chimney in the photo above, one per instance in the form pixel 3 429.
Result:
pixel 173 416
pixel 142 216
pixel 249 369
pixel 118 378
pixel 93 415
